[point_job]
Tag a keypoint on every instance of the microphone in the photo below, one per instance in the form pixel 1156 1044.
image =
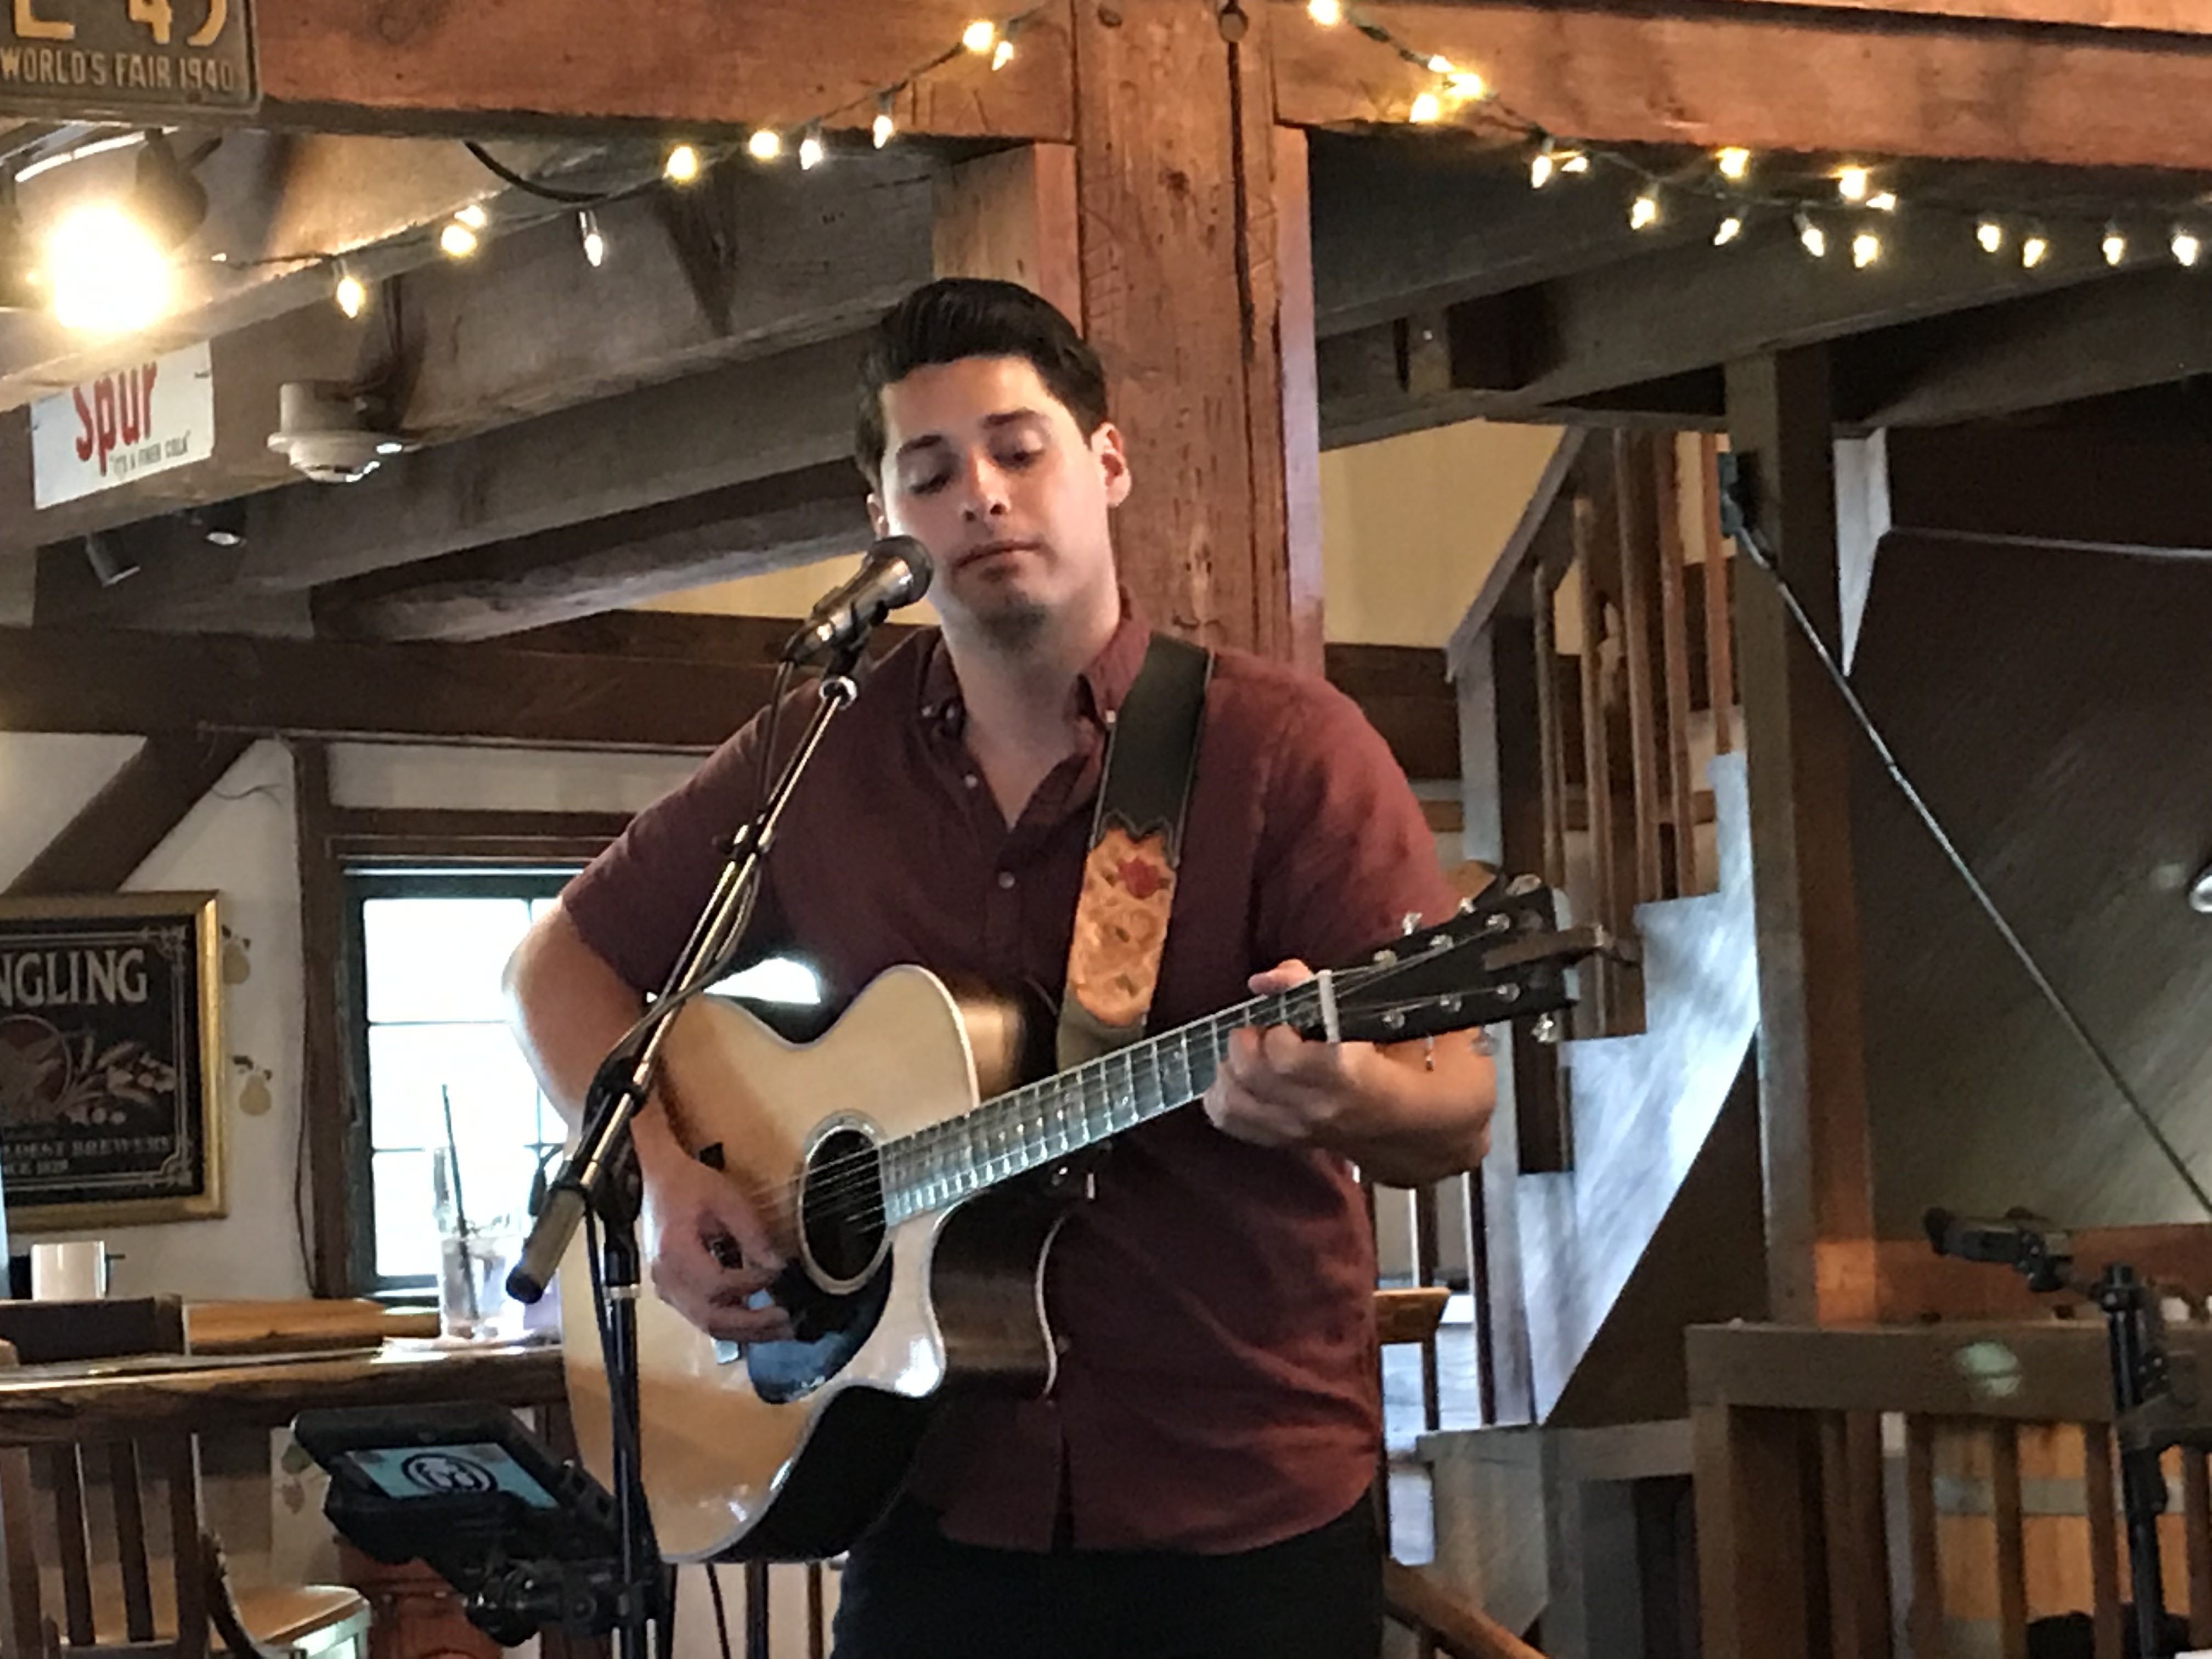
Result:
pixel 896 572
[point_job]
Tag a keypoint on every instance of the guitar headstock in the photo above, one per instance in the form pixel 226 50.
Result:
pixel 1501 957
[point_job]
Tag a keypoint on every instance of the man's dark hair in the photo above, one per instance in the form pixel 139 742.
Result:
pixel 956 317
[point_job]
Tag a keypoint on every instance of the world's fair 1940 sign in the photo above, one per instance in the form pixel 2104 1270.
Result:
pixel 110 1060
pixel 129 58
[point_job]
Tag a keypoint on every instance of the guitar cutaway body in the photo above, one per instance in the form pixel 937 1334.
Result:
pixel 787 1450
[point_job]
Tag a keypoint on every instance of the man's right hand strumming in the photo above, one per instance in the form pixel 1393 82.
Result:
pixel 706 1248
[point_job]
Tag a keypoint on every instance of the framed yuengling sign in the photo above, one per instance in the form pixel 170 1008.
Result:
pixel 110 1060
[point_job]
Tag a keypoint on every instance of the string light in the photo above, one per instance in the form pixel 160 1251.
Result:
pixel 765 145
pixel 1814 239
pixel 2034 248
pixel 1883 201
pixel 1326 13
pixel 811 151
pixel 1851 183
pixel 2115 245
pixel 682 165
pixel 1002 54
pixel 1549 161
pixel 980 36
pixel 2186 246
pixel 595 244
pixel 457 240
pixel 1731 227
pixel 1427 107
pixel 1734 161
pixel 1866 248
pixel 106 272
pixel 1990 234
pixel 350 293
pixel 473 215
pixel 881 131
pixel 1643 211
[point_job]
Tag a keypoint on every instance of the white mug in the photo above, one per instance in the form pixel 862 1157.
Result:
pixel 70 1273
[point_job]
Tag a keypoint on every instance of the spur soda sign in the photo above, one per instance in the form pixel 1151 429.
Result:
pixel 145 418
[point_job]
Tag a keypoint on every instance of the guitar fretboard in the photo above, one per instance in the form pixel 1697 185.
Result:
pixel 1036 1126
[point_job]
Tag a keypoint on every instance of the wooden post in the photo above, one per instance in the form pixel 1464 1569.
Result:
pixel 1813 1107
pixel 1010 214
pixel 325 1087
pixel 1757 1497
pixel 1198 292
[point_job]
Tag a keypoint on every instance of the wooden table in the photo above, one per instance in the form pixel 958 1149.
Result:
pixel 46 1404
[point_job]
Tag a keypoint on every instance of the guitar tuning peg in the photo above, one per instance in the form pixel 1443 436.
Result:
pixel 1545 1030
pixel 1466 907
pixel 1410 922
pixel 1521 886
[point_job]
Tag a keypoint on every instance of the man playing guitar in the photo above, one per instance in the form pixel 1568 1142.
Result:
pixel 1196 1480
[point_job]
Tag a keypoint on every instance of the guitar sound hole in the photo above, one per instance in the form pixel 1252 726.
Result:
pixel 841 1206
pixel 841 1223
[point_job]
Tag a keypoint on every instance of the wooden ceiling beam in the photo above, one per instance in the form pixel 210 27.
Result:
pixel 1775 77
pixel 584 569
pixel 2143 329
pixel 632 682
pixel 747 421
pixel 678 66
pixel 2180 16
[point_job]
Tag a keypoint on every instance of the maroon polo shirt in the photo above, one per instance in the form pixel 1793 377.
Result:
pixel 1215 1300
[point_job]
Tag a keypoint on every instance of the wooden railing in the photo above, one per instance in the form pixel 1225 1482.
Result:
pixel 1604 630
pixel 2000 1438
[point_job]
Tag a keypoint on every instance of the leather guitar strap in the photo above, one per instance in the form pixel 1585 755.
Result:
pixel 1136 844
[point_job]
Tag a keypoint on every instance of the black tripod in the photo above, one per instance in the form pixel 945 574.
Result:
pixel 2155 1404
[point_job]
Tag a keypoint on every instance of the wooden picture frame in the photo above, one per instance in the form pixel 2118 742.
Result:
pixel 111 1061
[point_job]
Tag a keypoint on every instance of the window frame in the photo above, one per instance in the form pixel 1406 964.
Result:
pixel 361 881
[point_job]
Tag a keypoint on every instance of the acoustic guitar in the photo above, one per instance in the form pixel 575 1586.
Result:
pixel 919 1213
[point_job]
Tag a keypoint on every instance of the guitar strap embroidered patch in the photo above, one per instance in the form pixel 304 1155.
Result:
pixel 1136 845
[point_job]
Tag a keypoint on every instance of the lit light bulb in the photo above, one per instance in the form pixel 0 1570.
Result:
pixel 595 244
pixel 1883 201
pixel 1466 85
pixel 765 145
pixel 1814 239
pixel 2034 248
pixel 1426 107
pixel 1440 65
pixel 881 131
pixel 682 165
pixel 107 272
pixel 810 151
pixel 980 36
pixel 2186 247
pixel 351 293
pixel 1866 248
pixel 2115 245
pixel 1735 161
pixel 1326 13
pixel 474 216
pixel 1731 227
pixel 1644 212
pixel 1540 168
pixel 1990 234
pixel 1002 54
pixel 1574 161
pixel 1851 183
pixel 457 240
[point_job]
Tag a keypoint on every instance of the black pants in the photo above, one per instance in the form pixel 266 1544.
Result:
pixel 910 1593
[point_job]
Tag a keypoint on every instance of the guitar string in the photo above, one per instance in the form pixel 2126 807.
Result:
pixel 859 1168
pixel 835 1180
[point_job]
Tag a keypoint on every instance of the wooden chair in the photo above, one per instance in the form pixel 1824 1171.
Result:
pixel 180 1615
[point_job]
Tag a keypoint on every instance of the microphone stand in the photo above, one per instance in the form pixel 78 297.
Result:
pixel 601 1175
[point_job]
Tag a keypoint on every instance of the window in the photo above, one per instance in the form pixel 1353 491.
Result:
pixel 430 1038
